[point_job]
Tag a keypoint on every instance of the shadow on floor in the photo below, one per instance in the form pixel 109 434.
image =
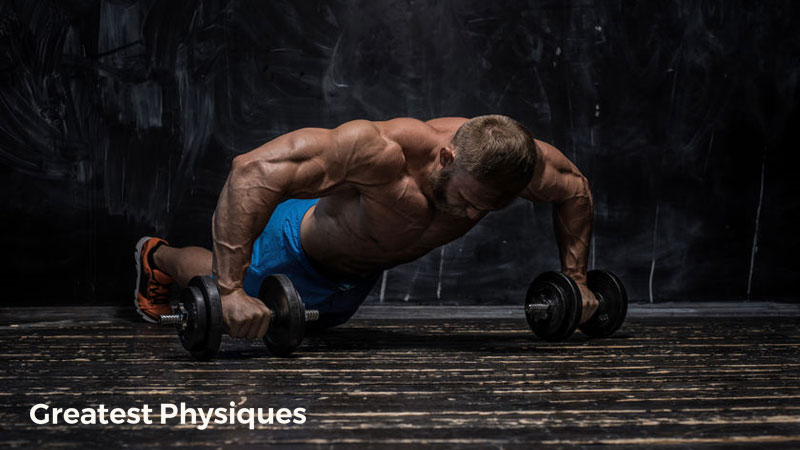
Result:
pixel 428 339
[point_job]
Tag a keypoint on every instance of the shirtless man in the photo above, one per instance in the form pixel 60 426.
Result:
pixel 332 209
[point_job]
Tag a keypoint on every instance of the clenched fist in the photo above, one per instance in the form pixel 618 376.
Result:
pixel 245 317
pixel 590 302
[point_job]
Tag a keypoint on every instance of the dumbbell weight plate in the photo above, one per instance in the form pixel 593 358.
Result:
pixel 193 334
pixel 614 307
pixel 288 324
pixel 560 292
pixel 213 307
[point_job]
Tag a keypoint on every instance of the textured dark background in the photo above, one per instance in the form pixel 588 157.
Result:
pixel 120 118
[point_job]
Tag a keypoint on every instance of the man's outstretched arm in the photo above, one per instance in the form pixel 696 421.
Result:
pixel 306 163
pixel 556 180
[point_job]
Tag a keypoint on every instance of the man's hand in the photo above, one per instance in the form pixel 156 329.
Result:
pixel 590 302
pixel 245 317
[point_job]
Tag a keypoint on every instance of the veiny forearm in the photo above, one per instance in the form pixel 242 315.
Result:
pixel 572 221
pixel 243 210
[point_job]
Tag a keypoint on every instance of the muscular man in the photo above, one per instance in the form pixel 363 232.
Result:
pixel 334 208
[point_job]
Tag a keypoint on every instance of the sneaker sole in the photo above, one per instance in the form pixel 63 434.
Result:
pixel 138 257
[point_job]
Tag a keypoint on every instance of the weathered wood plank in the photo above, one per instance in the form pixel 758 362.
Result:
pixel 401 383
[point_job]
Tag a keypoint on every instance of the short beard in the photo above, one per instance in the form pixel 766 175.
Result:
pixel 439 181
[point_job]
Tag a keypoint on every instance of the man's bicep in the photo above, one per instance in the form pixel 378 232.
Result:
pixel 555 179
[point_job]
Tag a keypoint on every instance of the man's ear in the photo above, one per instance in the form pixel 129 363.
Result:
pixel 446 156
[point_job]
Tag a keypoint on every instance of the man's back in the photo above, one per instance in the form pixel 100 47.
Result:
pixel 361 228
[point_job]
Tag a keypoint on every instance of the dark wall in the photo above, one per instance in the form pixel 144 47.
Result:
pixel 120 118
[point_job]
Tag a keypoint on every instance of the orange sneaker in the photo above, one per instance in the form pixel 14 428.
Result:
pixel 151 295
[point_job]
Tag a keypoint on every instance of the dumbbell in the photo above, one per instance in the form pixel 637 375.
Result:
pixel 553 305
pixel 198 316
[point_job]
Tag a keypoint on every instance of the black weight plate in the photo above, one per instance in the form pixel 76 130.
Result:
pixel 288 324
pixel 613 308
pixel 193 336
pixel 561 293
pixel 213 306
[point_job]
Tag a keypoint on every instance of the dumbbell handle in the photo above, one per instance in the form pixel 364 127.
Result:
pixel 531 307
pixel 177 318
pixel 543 307
pixel 170 319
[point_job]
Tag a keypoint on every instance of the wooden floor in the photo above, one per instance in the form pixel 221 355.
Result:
pixel 685 382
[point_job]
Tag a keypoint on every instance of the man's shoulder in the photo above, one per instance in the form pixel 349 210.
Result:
pixel 446 124
pixel 412 125
pixel 414 135
pixel 402 129
pixel 403 126
pixel 386 147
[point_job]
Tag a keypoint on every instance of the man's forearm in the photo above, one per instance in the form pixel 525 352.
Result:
pixel 572 221
pixel 243 210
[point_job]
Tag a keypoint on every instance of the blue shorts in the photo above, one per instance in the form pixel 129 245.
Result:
pixel 278 250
